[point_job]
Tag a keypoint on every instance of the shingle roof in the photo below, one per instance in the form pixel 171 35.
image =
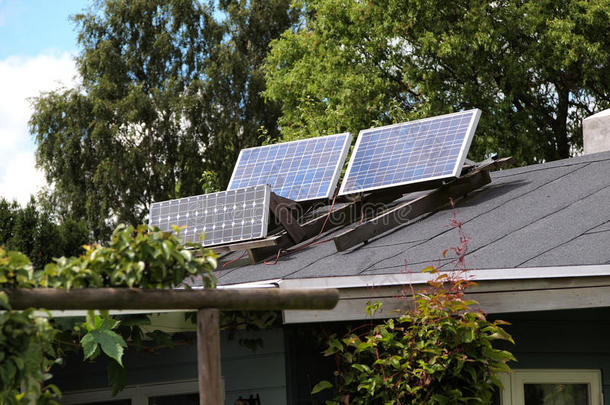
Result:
pixel 552 214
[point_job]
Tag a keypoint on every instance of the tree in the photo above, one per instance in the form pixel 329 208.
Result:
pixel 168 92
pixel 535 68
pixel 237 116
pixel 34 231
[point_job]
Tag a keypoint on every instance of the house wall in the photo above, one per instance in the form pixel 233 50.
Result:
pixel 290 364
pixel 244 372
pixel 574 339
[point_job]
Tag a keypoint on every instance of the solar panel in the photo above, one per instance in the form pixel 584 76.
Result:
pixel 301 170
pixel 224 217
pixel 422 150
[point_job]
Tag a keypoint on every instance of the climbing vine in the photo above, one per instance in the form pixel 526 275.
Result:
pixel 30 344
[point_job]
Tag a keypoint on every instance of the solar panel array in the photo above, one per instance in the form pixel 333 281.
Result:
pixel 224 217
pixel 301 170
pixel 309 169
pixel 415 151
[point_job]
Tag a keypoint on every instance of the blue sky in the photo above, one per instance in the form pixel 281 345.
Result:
pixel 37 46
pixel 32 27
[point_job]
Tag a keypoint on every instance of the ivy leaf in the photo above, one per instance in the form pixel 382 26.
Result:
pixel 108 323
pixel 111 343
pixel 117 376
pixel 4 301
pixel 321 386
pixel 89 345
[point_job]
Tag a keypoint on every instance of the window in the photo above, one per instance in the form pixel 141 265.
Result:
pixel 551 387
pixel 175 393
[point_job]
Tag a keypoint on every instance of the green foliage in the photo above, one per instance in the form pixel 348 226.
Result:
pixel 33 231
pixel 168 92
pixel 210 182
pixel 535 68
pixel 15 270
pixel 441 352
pixel 117 376
pixel 135 257
pixel 26 353
pixel 100 336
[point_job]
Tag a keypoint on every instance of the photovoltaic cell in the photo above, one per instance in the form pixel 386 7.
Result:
pixel 301 170
pixel 224 217
pixel 415 151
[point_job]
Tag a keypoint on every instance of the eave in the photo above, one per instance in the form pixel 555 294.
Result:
pixel 497 291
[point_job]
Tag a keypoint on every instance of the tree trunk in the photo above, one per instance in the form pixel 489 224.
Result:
pixel 562 144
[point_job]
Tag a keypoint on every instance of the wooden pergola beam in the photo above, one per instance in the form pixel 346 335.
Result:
pixel 255 299
pixel 207 301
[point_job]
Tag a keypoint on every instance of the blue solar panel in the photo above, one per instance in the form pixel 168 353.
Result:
pixel 415 151
pixel 301 170
pixel 223 217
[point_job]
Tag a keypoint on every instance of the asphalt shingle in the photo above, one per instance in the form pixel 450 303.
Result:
pixel 551 214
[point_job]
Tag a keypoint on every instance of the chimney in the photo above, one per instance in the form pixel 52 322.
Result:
pixel 596 132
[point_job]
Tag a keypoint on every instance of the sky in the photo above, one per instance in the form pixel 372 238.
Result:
pixel 37 47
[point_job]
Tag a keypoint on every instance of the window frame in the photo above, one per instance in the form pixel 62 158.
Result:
pixel 138 394
pixel 513 383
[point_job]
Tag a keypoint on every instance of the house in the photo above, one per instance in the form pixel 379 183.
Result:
pixel 539 250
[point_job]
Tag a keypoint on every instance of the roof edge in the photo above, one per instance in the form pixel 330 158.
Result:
pixel 378 280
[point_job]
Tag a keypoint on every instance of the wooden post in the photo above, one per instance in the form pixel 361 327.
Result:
pixel 208 357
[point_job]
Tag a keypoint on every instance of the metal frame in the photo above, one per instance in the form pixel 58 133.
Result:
pixel 138 394
pixel 467 141
pixel 340 163
pixel 337 171
pixel 459 162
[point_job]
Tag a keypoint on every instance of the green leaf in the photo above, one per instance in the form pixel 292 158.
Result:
pixel 111 343
pixel 166 248
pixel 321 386
pixel 363 368
pixel 4 301
pixel 117 376
pixel 109 323
pixel 88 344
pixel 18 362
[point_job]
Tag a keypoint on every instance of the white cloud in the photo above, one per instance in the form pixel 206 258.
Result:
pixel 21 178
pixel 20 79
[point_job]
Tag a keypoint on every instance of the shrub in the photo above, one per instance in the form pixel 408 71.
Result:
pixel 440 352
